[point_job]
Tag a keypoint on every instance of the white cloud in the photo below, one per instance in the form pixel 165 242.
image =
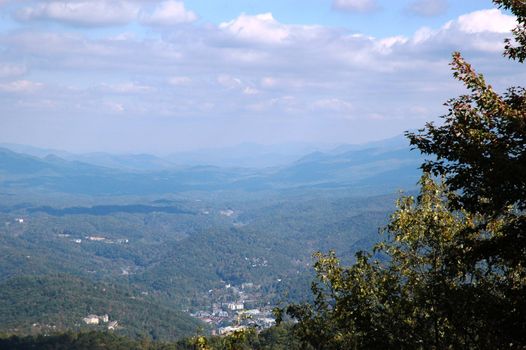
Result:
pixel 419 111
pixel 483 31
pixel 179 80
pixel 255 65
pixel 228 81
pixel 249 90
pixel 386 45
pixel 355 5
pixel 232 83
pixel 428 8
pixel 334 105
pixel 126 36
pixel 108 12
pixel 282 104
pixel 8 70
pixel 169 13
pixel 115 107
pixel 83 13
pixel 261 28
pixel 126 88
pixel 493 21
pixel 21 86
pixel 5 2
pixel 268 82
pixel 422 35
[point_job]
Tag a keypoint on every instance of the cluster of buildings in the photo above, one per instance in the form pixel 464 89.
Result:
pixel 16 221
pixel 104 319
pixel 227 212
pixel 107 240
pixel 95 239
pixel 236 308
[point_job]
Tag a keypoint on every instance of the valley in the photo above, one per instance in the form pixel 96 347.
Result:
pixel 216 258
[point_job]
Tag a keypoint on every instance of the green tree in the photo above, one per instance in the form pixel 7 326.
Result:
pixel 404 302
pixel 480 149
pixel 453 269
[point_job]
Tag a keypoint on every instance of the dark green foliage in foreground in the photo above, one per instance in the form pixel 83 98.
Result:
pixel 276 338
pixel 455 277
pixel 47 304
pixel 71 341
pixel 420 298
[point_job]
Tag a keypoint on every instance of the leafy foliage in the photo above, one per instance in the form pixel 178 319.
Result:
pixel 455 273
pixel 276 338
pixel 396 304
pixel 70 341
pixel 481 151
pixel 516 50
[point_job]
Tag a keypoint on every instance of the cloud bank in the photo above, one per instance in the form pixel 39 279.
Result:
pixel 108 12
pixel 249 78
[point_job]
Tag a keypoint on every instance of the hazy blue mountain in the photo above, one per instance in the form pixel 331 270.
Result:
pixel 51 173
pixel 381 166
pixel 128 162
pixel 396 142
pixel 35 151
pixel 17 163
pixel 385 165
pixel 247 155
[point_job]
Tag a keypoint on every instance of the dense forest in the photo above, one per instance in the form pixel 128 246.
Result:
pixel 276 338
pixel 51 304
pixel 174 261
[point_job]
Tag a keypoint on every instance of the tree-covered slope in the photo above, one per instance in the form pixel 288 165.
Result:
pixel 45 304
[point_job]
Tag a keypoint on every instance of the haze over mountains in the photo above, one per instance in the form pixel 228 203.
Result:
pixel 172 232
pixel 381 165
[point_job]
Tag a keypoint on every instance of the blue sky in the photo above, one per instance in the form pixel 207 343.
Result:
pixel 163 76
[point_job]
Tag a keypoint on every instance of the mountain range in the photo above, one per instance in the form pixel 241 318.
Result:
pixel 378 167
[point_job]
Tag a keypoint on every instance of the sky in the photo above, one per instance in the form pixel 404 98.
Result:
pixel 164 76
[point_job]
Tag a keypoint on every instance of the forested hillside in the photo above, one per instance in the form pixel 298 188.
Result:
pixel 173 251
pixel 56 303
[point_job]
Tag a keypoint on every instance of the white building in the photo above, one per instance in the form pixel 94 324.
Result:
pixel 253 312
pixel 235 306
pixel 91 319
pixel 227 212
pixel 228 330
